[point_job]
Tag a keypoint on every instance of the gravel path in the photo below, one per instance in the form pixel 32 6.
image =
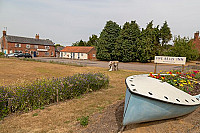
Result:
pixel 145 67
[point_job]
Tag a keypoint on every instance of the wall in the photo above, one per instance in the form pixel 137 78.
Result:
pixel 196 41
pixel 65 55
pixel 42 52
pixel 90 54
pixel 82 56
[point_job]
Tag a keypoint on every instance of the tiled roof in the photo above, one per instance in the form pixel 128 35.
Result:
pixel 19 39
pixel 77 49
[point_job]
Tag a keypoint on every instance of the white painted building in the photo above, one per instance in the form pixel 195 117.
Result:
pixel 78 52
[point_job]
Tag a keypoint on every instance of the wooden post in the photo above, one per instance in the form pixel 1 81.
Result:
pixel 183 67
pixel 155 68
pixel 10 104
pixel 57 95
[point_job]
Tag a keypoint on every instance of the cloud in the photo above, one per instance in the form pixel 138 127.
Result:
pixel 67 21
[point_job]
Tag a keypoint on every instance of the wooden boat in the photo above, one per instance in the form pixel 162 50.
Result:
pixel 150 99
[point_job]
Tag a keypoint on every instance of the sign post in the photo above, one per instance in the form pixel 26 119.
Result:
pixel 169 60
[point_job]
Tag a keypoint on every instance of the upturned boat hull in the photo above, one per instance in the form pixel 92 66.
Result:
pixel 139 109
pixel 149 99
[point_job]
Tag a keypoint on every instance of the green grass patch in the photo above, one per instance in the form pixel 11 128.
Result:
pixel 83 120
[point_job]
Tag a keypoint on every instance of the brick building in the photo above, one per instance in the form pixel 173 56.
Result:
pixel 78 52
pixel 34 46
pixel 196 41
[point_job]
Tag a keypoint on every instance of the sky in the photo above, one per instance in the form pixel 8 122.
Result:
pixel 68 21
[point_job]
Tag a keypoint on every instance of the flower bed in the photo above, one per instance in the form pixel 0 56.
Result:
pixel 46 91
pixel 188 82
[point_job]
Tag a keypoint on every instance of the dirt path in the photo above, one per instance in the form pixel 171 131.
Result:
pixel 110 121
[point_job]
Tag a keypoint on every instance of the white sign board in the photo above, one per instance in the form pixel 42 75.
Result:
pixel 42 50
pixel 170 60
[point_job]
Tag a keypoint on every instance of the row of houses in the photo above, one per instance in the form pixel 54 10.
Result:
pixel 43 48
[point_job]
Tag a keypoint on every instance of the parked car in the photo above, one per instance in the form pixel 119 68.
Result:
pixel 27 55
pixel 12 55
pixel 20 55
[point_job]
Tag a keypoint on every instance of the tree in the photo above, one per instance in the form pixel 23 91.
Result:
pixel 148 43
pixel 79 43
pixel 183 47
pixel 165 33
pixel 92 40
pixel 107 41
pixel 126 48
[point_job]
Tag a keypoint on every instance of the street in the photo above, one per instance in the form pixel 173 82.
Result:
pixel 136 66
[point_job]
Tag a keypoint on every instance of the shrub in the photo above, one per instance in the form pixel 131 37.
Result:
pixel 1 54
pixel 43 92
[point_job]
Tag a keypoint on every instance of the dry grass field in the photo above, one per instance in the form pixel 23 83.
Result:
pixel 58 117
pixel 61 117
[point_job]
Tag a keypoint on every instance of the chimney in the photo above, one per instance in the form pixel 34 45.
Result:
pixel 37 36
pixel 196 35
pixel 4 33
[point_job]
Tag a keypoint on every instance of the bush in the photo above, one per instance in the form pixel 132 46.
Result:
pixel 1 54
pixel 183 47
pixel 43 92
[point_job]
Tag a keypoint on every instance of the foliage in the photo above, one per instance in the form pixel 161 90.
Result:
pixel 107 41
pixel 148 43
pixel 183 47
pixel 126 47
pixel 165 33
pixel 1 54
pixel 80 43
pixel 43 92
pixel 132 44
pixel 183 81
pixel 83 120
pixel 58 45
pixel 92 40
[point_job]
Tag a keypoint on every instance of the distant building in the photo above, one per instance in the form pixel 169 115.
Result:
pixel 34 46
pixel 58 49
pixel 78 52
pixel 196 41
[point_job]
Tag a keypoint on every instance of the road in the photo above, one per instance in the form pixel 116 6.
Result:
pixel 144 67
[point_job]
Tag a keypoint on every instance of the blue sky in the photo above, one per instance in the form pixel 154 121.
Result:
pixel 68 21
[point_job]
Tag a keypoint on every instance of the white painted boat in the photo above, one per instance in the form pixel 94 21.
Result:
pixel 150 99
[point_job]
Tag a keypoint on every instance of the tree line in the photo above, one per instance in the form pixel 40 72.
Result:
pixel 130 43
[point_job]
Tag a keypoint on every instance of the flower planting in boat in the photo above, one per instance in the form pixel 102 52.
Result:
pixel 187 82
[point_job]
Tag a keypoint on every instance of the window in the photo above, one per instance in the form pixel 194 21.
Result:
pixel 47 47
pixel 36 46
pixel 93 55
pixel 81 54
pixel 47 53
pixel 28 46
pixel 51 53
pixel 17 45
